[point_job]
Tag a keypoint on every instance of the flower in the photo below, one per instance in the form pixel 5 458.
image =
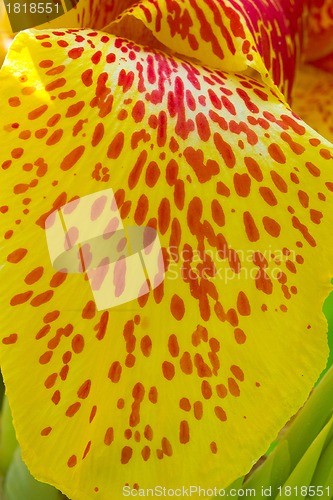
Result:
pixel 181 108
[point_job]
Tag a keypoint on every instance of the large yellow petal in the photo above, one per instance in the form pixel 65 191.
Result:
pixel 230 35
pixel 188 384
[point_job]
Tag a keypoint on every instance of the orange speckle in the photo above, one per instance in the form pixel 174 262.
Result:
pixel 202 367
pixel 72 409
pixel 213 447
pixel 72 461
pixel 145 453
pixel 166 447
pixel 115 372
pixel 34 275
pixel 217 213
pixel 233 387
pixel 17 255
pixel 42 298
pixel 276 153
pixel 87 449
pixel 21 298
pixel 250 227
pixel 220 413
pixel 64 372
pixel 279 182
pixel 42 332
pixel 51 380
pixel 271 226
pixel 51 316
pixel 84 390
pixel 313 169
pixel 126 454
pixel 17 153
pixel 173 346
pixel 73 157
pixel 46 431
pixel 185 404
pixel 153 395
pixel 116 146
pixel 177 307
pixel 263 282
pixel 57 279
pixel 89 310
pixel 55 137
pixel 14 101
pixel 206 389
pixel 78 343
pixel 242 183
pixel 45 358
pixel 186 363
pixel 221 390
pixel 268 195
pixel 243 304
pixel 130 360
pixel 109 436
pixel 141 209
pixel 184 432
pixel 146 345
pixel 11 339
pixel 237 372
pixel 92 413
pixel 36 113
pixel 168 370
pixel 56 397
pixel 253 168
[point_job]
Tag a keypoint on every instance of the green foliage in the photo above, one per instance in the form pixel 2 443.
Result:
pixel 20 484
pixel 303 456
pixel 8 443
pixel 17 482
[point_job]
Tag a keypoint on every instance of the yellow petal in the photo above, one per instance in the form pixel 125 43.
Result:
pixel 231 36
pixel 188 384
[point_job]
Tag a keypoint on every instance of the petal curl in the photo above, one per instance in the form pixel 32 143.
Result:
pixel 230 35
pixel 193 380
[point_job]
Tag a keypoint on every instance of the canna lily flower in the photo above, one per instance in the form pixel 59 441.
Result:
pixel 176 117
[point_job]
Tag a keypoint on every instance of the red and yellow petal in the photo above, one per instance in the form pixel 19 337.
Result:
pixel 320 29
pixel 228 35
pixel 313 98
pixel 191 382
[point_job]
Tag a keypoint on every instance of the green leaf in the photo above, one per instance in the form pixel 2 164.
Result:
pixel 323 475
pixel 328 311
pixel 8 442
pixel 296 439
pixel 304 471
pixel 21 485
